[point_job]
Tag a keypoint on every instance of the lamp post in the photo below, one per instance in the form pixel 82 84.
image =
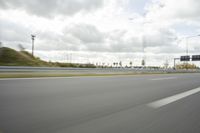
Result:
pixel 33 39
pixel 143 62
pixel 187 40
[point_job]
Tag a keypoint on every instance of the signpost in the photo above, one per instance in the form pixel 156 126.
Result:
pixel 196 58
pixel 185 58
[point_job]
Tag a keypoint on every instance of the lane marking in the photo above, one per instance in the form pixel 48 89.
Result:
pixel 171 99
pixel 34 78
pixel 164 78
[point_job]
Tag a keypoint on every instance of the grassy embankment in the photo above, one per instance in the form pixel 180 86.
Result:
pixel 11 57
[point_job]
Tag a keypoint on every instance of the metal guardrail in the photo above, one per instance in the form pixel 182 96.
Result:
pixel 103 70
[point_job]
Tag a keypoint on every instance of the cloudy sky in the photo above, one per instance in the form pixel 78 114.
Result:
pixel 102 30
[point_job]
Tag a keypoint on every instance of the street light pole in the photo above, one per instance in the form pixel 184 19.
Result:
pixel 187 40
pixel 187 47
pixel 143 61
pixel 33 39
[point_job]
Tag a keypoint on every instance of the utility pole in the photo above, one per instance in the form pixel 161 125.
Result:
pixel 33 39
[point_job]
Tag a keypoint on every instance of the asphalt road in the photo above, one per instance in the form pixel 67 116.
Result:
pixel 122 104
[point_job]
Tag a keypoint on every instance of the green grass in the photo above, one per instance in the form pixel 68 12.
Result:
pixel 11 57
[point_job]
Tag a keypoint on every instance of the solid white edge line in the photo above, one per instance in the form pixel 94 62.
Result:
pixel 35 78
pixel 164 78
pixel 171 99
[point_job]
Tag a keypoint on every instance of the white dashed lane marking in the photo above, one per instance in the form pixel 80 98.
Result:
pixel 171 99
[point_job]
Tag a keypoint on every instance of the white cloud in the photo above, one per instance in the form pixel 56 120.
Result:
pixel 12 29
pixel 165 10
pixel 51 8
pixel 85 33
pixel 103 27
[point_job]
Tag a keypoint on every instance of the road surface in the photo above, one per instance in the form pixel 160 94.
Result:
pixel 122 104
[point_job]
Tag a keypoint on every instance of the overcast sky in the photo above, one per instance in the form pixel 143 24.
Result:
pixel 102 30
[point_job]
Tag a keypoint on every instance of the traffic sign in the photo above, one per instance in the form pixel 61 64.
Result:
pixel 185 58
pixel 196 58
